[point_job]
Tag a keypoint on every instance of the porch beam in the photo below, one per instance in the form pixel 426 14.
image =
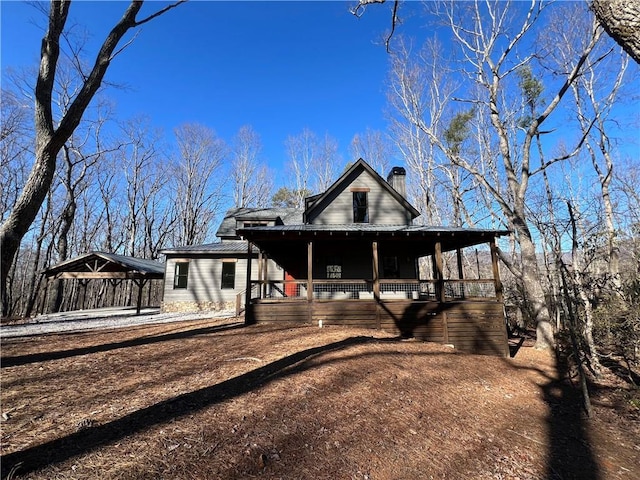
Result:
pixel 496 270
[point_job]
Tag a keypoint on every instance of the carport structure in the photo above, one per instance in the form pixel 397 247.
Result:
pixel 108 266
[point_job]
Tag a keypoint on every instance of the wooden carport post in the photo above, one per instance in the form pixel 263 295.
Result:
pixel 140 284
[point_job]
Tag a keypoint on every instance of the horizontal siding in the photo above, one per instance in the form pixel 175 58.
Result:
pixel 205 276
pixel 383 207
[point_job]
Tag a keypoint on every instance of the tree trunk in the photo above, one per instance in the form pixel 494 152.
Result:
pixel 49 139
pixel 534 293
pixel 621 20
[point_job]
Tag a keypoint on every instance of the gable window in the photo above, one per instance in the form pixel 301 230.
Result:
pixel 334 267
pixel 181 275
pixel 255 224
pixel 360 207
pixel 228 275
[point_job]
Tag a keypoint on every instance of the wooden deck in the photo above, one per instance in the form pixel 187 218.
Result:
pixel 471 326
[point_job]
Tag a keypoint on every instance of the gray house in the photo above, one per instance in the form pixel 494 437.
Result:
pixel 210 277
pixel 351 258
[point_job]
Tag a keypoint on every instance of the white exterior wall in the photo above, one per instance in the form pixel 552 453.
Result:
pixel 205 278
pixel 383 208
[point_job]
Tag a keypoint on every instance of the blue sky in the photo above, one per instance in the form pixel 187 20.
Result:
pixel 278 66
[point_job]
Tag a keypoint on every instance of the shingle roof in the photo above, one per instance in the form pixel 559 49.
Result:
pixel 228 226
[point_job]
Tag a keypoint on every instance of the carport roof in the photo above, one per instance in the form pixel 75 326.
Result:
pixel 106 265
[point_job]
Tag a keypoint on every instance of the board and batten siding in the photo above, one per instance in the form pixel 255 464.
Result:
pixel 384 209
pixel 205 278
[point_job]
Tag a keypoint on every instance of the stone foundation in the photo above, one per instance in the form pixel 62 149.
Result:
pixel 188 307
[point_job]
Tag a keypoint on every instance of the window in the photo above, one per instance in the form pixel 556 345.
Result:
pixel 334 267
pixel 228 275
pixel 181 275
pixel 390 267
pixel 360 208
pixel 255 224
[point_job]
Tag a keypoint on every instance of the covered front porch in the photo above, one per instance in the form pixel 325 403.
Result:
pixel 406 280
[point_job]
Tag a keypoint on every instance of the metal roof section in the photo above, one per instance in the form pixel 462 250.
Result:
pixel 369 228
pixel 237 247
pixel 97 262
pixel 317 201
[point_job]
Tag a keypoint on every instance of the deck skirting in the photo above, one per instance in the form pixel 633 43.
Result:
pixel 470 326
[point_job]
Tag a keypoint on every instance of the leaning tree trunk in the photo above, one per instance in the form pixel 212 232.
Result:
pixel 49 139
pixel 621 20
pixel 534 292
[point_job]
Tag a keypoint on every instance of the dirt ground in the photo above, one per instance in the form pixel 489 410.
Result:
pixel 212 399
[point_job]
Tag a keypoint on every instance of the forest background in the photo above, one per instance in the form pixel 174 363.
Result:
pixel 505 114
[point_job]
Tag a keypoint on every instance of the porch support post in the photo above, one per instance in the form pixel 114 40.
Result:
pixel 310 271
pixel 310 281
pixel 260 264
pixel 440 293
pixel 460 269
pixel 375 266
pixel 496 271
pixel 247 292
pixel 265 274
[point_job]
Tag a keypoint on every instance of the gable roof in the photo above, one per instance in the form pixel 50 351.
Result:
pixel 316 201
pixel 228 225
pixel 107 265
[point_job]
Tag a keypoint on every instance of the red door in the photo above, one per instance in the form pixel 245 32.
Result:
pixel 290 289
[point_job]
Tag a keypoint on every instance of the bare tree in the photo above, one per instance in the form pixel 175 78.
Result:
pixel 312 163
pixel 375 147
pixel 621 20
pixel 197 181
pixel 489 37
pixel 50 134
pixel 252 181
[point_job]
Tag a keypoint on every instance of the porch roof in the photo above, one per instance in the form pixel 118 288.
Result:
pixel 450 238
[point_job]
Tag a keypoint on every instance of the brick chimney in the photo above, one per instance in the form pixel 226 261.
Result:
pixel 397 179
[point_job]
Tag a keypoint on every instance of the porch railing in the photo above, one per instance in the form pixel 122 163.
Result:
pixel 390 289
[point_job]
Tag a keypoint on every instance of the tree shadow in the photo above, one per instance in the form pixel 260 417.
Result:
pixel 623 373
pixel 60 354
pixel 83 441
pixel 569 451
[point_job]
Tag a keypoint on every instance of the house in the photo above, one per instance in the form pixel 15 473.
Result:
pixel 351 258
pixel 210 277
